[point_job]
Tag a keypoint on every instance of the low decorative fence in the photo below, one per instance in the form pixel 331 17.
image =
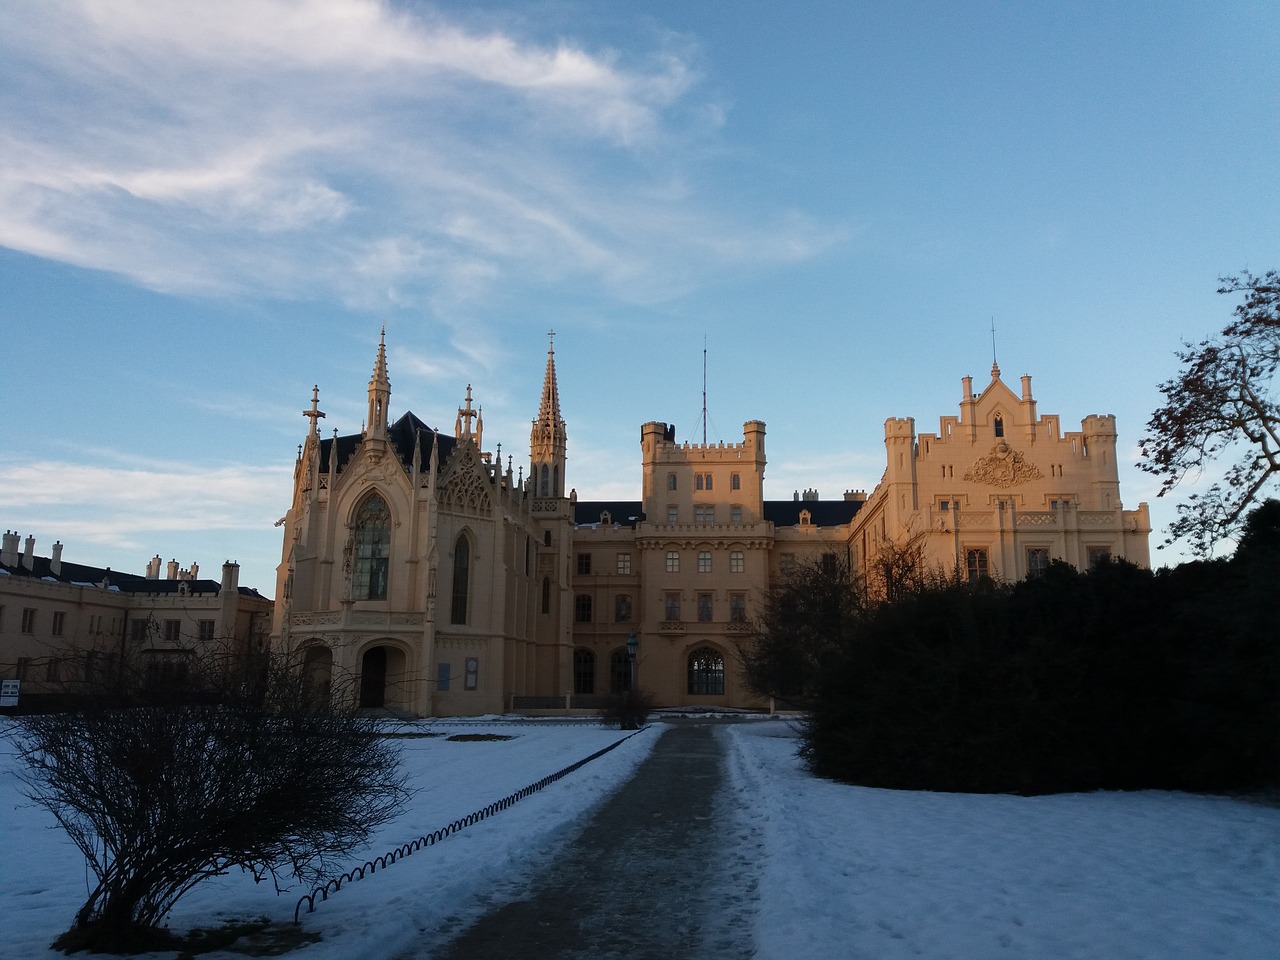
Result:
pixel 431 839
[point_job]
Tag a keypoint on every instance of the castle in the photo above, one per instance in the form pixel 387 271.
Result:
pixel 443 584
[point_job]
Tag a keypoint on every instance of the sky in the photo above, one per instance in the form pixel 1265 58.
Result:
pixel 205 211
pixel 818 870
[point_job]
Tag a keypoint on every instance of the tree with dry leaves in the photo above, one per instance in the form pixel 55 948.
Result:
pixel 1221 412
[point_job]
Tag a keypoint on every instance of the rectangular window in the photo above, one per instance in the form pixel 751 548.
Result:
pixel 708 481
pixel 584 564
pixel 787 563
pixel 582 608
pixel 624 564
pixel 671 606
pixel 975 562
pixel 673 561
pixel 59 623
pixel 138 630
pixel 1098 556
pixel 735 561
pixel 206 631
pixel 22 668
pixel 1037 562
pixel 735 481
pixel 671 481
pixel 472 680
pixel 735 515
pixel 704 515
pixel 673 514
pixel 704 561
pixel 704 608
pixel 697 481
pixel 51 670
pixel 622 608
pixel 442 677
pixel 737 607
pixel 172 631
pixel 28 619
pixel 829 564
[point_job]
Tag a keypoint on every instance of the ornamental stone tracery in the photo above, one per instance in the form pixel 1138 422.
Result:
pixel 1002 467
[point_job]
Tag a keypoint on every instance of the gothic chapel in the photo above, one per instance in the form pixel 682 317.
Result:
pixel 419 568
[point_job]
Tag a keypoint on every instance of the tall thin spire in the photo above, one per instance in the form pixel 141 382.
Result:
pixel 379 391
pixel 995 367
pixel 547 439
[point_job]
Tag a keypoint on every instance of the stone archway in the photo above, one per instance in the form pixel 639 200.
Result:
pixel 384 678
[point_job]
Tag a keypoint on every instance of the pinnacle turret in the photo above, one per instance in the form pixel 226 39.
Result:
pixel 547 439
pixel 379 391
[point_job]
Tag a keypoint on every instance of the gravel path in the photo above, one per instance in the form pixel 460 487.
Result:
pixel 662 870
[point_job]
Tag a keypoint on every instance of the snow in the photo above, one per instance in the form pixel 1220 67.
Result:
pixel 844 871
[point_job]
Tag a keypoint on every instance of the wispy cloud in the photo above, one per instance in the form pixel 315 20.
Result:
pixel 152 497
pixel 352 147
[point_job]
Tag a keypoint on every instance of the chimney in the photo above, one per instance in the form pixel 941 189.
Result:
pixel 55 562
pixel 173 569
pixel 1026 386
pixel 967 383
pixel 153 567
pixel 9 552
pixel 29 554
pixel 230 576
pixel 195 570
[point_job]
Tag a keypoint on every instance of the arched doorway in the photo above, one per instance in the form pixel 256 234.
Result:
pixel 384 678
pixel 373 678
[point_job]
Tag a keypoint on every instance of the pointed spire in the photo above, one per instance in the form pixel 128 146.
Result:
pixel 547 439
pixel 379 391
pixel 549 411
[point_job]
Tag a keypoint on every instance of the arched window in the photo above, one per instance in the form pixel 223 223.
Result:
pixel 545 490
pixel 372 536
pixel 584 671
pixel 998 423
pixel 461 579
pixel 706 673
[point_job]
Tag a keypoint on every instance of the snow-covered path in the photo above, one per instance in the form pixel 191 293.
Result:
pixel 842 871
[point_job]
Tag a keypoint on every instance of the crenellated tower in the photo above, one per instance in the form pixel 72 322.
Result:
pixel 547 439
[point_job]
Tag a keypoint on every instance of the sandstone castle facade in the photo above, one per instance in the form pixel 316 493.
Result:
pixel 443 583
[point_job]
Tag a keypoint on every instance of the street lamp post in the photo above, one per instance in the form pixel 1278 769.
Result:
pixel 632 644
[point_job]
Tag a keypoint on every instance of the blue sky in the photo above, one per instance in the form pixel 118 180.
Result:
pixel 205 209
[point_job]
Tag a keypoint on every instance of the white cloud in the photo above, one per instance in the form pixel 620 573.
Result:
pixel 390 157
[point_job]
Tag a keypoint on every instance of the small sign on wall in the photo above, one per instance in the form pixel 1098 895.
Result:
pixel 9 690
pixel 473 673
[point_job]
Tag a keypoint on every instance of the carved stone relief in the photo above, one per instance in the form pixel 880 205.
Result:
pixel 1002 467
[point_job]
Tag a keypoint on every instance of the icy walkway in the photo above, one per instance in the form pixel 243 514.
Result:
pixel 657 872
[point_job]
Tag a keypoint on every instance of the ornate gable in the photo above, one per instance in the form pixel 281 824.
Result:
pixel 464 484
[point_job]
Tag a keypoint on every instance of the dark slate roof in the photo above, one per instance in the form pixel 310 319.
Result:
pixel 79 573
pixel 823 513
pixel 623 512
pixel 783 513
pixel 403 433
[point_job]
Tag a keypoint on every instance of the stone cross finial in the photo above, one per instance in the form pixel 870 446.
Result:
pixel 315 414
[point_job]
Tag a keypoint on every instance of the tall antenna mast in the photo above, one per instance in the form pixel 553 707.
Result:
pixel 704 389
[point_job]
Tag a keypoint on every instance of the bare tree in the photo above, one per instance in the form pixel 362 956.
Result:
pixel 163 779
pixel 1222 407
pixel 806 619
pixel 898 568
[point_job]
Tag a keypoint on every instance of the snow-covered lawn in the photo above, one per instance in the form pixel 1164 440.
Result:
pixel 845 871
